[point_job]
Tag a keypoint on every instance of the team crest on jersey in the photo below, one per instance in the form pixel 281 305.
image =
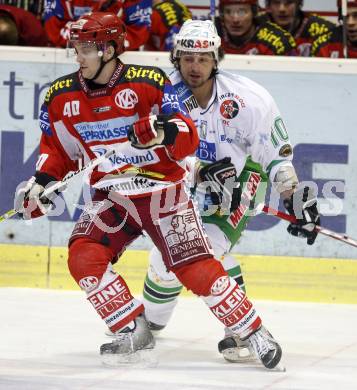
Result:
pixel 285 150
pixel 229 109
pixel 126 99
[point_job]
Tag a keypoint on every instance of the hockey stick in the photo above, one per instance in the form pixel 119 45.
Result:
pixel 91 165
pixel 290 218
pixel 50 190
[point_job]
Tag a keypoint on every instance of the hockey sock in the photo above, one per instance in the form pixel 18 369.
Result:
pixel 159 300
pixel 114 303
pixel 232 307
pixel 233 268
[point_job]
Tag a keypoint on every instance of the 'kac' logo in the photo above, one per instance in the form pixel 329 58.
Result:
pixel 229 109
pixel 126 99
pixel 89 283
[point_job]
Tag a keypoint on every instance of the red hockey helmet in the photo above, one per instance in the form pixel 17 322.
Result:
pixel 254 3
pixel 229 2
pixel 300 3
pixel 99 28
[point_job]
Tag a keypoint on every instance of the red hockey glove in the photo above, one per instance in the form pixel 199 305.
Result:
pixel 144 129
pixel 162 131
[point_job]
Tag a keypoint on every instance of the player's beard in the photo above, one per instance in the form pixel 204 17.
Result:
pixel 196 83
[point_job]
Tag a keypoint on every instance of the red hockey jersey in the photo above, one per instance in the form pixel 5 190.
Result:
pixel 331 45
pixel 166 20
pixel 81 124
pixel 268 39
pixel 309 27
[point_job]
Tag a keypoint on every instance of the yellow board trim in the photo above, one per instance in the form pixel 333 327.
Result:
pixel 266 277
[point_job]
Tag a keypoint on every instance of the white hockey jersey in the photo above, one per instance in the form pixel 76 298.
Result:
pixel 240 120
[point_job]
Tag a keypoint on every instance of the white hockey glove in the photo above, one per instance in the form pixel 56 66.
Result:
pixel 303 206
pixel 28 201
pixel 224 185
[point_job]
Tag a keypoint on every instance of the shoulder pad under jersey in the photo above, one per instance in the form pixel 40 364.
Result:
pixel 280 41
pixel 63 84
pixel 172 13
pixel 145 74
pixel 316 26
pixel 333 36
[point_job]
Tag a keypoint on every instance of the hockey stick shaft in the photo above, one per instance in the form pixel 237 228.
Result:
pixel 48 191
pixel 290 218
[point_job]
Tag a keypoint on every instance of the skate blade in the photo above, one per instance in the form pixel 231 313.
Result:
pixel 142 358
pixel 279 368
pixel 239 355
pixel 109 333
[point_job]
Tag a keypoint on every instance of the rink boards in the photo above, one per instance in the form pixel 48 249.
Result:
pixel 266 277
pixel 317 99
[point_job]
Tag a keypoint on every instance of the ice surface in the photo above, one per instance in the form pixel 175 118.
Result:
pixel 50 340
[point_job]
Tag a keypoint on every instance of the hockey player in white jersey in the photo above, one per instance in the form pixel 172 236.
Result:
pixel 241 131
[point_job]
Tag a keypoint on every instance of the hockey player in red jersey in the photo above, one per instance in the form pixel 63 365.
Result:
pixel 59 14
pixel 166 20
pixel 141 187
pixel 243 33
pixel 331 44
pixel 304 26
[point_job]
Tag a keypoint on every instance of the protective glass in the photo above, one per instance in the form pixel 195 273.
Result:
pixel 239 12
pixel 85 49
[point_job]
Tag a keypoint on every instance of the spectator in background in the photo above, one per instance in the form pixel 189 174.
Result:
pixel 331 44
pixel 304 26
pixel 59 14
pixel 242 33
pixel 20 27
pixel 33 6
pixel 166 20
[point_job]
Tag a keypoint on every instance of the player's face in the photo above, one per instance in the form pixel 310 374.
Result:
pixel 87 58
pixel 238 19
pixel 283 12
pixel 196 68
pixel 352 24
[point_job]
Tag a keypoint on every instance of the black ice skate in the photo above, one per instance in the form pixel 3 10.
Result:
pixel 265 347
pixel 135 337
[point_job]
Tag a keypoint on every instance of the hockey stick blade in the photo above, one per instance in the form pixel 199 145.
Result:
pixel 326 232
pixel 48 191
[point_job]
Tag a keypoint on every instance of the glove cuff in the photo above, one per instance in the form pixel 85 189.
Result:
pixel 43 178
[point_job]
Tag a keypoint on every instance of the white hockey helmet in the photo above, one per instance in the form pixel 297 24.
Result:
pixel 197 36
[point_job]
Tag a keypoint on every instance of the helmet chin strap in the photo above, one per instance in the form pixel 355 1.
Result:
pixel 102 64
